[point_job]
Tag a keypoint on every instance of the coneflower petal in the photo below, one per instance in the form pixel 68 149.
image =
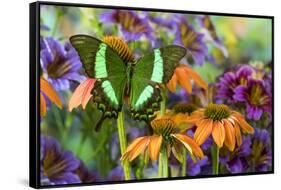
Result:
pixel 218 133
pixel 196 77
pixel 190 145
pixel 238 135
pixel 229 135
pixel 184 79
pixel 242 123
pixel 154 146
pixel 42 106
pixel 127 153
pixel 203 131
pixel 48 90
pixel 172 84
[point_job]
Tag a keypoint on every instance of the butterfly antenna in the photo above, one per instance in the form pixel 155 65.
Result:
pixel 99 123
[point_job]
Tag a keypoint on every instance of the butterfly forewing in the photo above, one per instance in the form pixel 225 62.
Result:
pixel 104 64
pixel 154 68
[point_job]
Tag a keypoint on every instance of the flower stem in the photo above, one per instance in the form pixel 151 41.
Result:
pixel 215 159
pixel 163 102
pixel 183 166
pixel 123 143
pixel 163 168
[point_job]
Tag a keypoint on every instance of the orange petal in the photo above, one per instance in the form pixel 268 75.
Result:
pixel 190 144
pixel 82 94
pixel 203 131
pixel 238 135
pixel 136 148
pixel 177 151
pixel 243 123
pixel 229 135
pixel 196 77
pixel 42 106
pixel 48 90
pixel 184 79
pixel 172 84
pixel 195 116
pixel 218 133
pixel 154 146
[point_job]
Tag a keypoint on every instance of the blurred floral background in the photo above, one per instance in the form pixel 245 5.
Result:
pixel 228 67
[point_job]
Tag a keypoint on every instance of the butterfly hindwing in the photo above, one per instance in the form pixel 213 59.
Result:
pixel 104 64
pixel 154 68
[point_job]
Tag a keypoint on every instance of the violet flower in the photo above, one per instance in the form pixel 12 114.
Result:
pixel 57 166
pixel 60 64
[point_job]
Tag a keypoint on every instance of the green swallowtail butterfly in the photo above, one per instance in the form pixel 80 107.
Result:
pixel 116 78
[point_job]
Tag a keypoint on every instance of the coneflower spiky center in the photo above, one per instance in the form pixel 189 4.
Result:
pixel 217 112
pixel 120 47
pixel 184 108
pixel 163 127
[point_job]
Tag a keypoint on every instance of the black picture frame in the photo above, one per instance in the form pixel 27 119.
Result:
pixel 34 91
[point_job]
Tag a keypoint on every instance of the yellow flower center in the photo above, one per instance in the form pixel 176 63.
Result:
pixel 217 112
pixel 163 127
pixel 120 47
pixel 184 108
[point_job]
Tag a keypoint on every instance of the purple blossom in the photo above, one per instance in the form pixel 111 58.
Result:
pixel 194 168
pixel 230 80
pixel 57 166
pixel 261 155
pixel 85 175
pixel 211 34
pixel 191 40
pixel 60 64
pixel 116 174
pixel 132 25
pixel 256 98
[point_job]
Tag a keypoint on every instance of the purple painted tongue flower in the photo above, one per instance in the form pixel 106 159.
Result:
pixel 57 166
pixel 85 175
pixel 256 98
pixel 59 64
pixel 191 40
pixel 132 25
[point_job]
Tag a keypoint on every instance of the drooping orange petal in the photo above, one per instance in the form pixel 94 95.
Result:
pixel 195 116
pixel 154 146
pixel 172 84
pixel 136 148
pixel 42 106
pixel 178 151
pixel 184 79
pixel 190 144
pixel 48 90
pixel 243 124
pixel 238 135
pixel 229 135
pixel 196 77
pixel 82 94
pixel 203 131
pixel 218 133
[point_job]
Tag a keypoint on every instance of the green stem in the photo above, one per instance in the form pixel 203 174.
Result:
pixel 215 159
pixel 163 168
pixel 123 143
pixel 160 166
pixel 183 166
pixel 163 102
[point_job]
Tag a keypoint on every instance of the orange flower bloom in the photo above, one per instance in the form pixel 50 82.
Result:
pixel 183 75
pixel 224 125
pixel 166 135
pixel 82 94
pixel 47 90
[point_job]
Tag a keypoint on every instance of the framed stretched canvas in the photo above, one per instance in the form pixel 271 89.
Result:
pixel 126 94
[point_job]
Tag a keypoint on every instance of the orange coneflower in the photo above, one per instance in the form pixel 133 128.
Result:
pixel 46 90
pixel 223 123
pixel 166 135
pixel 82 94
pixel 183 75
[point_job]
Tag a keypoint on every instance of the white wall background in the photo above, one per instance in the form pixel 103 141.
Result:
pixel 14 81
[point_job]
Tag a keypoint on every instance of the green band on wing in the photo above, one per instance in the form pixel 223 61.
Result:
pixel 109 91
pixel 157 74
pixel 100 62
pixel 146 93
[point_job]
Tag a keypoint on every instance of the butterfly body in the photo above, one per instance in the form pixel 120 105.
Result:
pixel 116 78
